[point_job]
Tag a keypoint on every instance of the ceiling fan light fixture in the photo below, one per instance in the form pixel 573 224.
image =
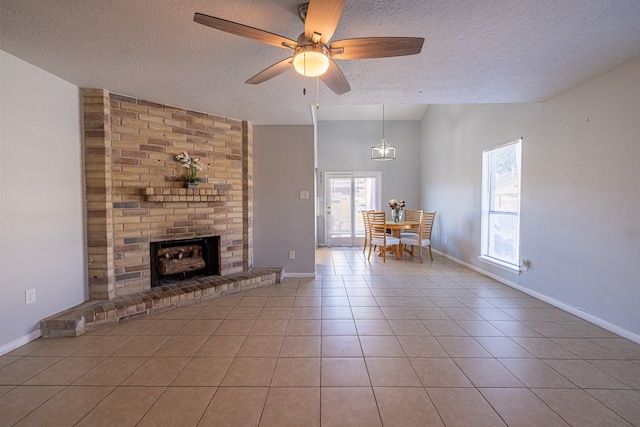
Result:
pixel 312 55
pixel 311 61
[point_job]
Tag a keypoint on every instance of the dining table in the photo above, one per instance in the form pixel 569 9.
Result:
pixel 396 228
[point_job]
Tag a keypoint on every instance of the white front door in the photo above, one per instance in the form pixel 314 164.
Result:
pixel 347 194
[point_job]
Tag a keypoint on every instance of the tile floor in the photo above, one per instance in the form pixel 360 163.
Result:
pixel 363 344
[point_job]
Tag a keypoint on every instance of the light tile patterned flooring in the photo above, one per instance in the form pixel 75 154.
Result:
pixel 363 344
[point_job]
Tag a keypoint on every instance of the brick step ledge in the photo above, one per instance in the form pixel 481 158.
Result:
pixel 91 314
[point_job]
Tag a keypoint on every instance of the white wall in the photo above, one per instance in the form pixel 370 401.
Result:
pixel 581 199
pixel 345 146
pixel 42 242
pixel 283 159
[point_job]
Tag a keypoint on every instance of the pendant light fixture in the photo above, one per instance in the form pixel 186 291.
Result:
pixel 383 151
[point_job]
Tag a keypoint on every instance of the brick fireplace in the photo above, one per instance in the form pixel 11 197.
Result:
pixel 135 192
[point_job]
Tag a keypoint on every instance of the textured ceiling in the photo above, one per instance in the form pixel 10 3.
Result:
pixel 474 51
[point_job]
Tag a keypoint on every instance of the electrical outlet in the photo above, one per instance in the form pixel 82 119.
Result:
pixel 446 240
pixel 29 296
pixel 292 254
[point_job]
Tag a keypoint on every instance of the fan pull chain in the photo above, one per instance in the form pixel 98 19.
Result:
pixel 304 64
pixel 317 93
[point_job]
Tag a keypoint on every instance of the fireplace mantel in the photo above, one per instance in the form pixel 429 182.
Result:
pixel 164 194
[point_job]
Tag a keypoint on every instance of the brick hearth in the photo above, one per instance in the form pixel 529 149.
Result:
pixel 77 320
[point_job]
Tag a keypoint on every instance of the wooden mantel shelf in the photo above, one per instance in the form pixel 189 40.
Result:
pixel 164 194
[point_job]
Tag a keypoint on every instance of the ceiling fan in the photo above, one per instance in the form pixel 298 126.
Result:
pixel 313 53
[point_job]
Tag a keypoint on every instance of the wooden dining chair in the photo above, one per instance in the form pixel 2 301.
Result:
pixel 367 229
pixel 412 215
pixel 423 238
pixel 379 236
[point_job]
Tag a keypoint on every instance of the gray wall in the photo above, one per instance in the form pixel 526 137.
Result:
pixel 345 146
pixel 42 243
pixel 283 222
pixel 580 185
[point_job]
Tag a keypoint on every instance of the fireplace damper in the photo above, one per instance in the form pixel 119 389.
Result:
pixel 176 260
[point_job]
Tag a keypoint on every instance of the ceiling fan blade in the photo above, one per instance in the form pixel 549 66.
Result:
pixel 244 31
pixel 271 72
pixel 375 47
pixel 335 80
pixel 322 18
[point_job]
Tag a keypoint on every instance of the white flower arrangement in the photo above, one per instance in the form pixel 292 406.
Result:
pixel 396 205
pixel 191 164
pixel 396 209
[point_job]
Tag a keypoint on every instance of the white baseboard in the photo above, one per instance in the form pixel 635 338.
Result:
pixel 10 346
pixel 298 275
pixel 554 302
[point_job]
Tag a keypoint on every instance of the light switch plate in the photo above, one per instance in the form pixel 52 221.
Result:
pixel 304 194
pixel 30 296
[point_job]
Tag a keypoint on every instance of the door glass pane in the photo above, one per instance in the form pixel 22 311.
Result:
pixel 365 197
pixel 340 218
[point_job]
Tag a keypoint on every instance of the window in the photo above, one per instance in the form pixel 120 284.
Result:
pixel 501 205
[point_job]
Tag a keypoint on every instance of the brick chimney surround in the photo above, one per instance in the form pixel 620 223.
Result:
pixel 136 195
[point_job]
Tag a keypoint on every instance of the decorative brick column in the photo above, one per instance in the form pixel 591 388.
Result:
pixel 98 193
pixel 247 194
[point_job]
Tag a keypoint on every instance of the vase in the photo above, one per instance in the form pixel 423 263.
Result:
pixel 396 215
pixel 192 185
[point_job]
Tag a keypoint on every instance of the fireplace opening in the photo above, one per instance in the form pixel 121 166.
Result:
pixel 177 260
